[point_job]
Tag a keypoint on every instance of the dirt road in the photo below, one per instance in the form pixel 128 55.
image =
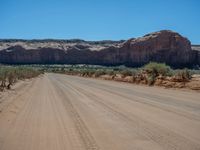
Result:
pixel 60 112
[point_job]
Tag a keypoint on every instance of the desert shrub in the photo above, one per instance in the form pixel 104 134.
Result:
pixel 11 77
pixel 135 72
pixel 194 71
pixel 10 74
pixel 111 72
pixel 126 73
pixel 184 74
pixel 154 69
pixel 25 72
pixel 87 72
pixel 151 79
pixel 157 68
pixel 3 73
pixel 91 73
pixel 99 73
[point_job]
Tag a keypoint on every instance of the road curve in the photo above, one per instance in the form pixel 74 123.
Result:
pixel 61 112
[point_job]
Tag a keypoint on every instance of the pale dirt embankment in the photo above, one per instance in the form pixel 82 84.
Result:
pixel 59 112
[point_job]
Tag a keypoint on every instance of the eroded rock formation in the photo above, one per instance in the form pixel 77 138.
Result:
pixel 163 46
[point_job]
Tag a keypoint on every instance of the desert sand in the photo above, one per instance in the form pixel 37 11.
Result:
pixel 62 112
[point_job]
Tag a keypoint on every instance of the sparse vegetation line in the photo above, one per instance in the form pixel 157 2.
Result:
pixel 11 74
pixel 158 74
pixel 151 74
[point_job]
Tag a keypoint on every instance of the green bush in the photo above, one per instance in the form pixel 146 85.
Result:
pixel 154 69
pixel 157 69
pixel 184 74
pixel 99 73
pixel 151 79
pixel 126 73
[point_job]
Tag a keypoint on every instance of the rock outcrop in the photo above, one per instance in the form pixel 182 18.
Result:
pixel 163 46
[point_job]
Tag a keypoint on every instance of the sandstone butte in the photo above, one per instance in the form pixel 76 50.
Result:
pixel 163 46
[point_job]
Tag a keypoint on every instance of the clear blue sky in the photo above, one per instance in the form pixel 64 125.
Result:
pixel 97 19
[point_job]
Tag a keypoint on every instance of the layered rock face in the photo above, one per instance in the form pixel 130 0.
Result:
pixel 197 48
pixel 163 46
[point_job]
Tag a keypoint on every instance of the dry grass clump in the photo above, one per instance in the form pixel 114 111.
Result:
pixel 154 70
pixel 183 75
pixel 9 75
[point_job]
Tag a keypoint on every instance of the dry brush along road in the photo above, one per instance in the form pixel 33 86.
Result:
pixel 61 112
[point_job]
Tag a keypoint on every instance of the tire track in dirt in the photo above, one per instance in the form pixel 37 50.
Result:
pixel 162 136
pixel 85 135
pixel 22 99
pixel 63 112
pixel 147 99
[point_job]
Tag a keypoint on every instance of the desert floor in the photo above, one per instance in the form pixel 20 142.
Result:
pixel 61 112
